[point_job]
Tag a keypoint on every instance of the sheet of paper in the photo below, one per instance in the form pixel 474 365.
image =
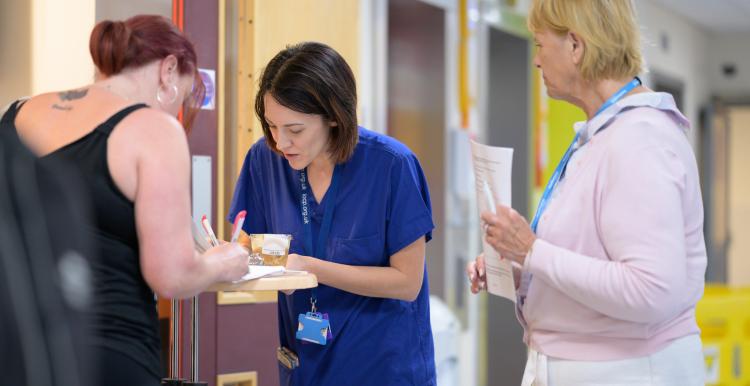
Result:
pixel 493 165
pixel 258 271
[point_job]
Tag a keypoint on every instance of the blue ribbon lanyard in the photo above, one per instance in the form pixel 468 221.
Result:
pixel 553 181
pixel 325 227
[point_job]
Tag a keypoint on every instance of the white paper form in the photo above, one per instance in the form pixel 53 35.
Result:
pixel 259 271
pixel 493 165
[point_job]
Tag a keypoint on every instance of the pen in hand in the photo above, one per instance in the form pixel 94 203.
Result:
pixel 239 220
pixel 209 231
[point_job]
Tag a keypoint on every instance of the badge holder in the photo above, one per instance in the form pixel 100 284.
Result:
pixel 313 327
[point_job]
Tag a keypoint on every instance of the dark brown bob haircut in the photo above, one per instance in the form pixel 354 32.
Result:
pixel 312 78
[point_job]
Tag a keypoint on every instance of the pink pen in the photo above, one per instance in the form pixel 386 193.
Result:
pixel 209 231
pixel 238 221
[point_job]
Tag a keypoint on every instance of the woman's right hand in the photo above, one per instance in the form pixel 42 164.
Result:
pixel 476 272
pixel 233 259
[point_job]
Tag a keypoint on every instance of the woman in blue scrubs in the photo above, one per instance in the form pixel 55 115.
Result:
pixel 358 208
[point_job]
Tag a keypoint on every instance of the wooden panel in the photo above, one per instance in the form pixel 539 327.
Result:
pixel 279 23
pixel 230 297
pixel 246 84
pixel 282 22
pixel 266 27
pixel 249 378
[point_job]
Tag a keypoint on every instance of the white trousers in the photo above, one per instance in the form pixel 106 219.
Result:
pixel 679 364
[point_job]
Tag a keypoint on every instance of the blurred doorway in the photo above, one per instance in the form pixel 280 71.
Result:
pixel 725 136
pixel 671 85
pixel 738 253
pixel 508 125
pixel 416 94
pixel 713 166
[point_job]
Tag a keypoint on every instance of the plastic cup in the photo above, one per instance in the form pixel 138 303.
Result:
pixel 272 248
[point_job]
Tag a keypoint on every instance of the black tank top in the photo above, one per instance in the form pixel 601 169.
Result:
pixel 124 311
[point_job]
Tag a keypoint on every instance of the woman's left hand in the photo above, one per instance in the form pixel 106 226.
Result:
pixel 297 262
pixel 508 233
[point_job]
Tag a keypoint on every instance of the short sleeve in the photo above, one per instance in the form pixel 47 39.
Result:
pixel 409 208
pixel 248 195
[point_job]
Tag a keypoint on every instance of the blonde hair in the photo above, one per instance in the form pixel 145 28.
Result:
pixel 608 28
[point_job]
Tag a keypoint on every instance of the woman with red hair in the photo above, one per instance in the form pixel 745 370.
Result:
pixel 121 134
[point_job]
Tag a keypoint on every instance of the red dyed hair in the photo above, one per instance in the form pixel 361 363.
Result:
pixel 140 40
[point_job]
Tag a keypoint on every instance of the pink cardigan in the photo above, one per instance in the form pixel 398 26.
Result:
pixel 620 258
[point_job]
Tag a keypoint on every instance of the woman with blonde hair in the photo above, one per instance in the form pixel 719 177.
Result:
pixel 613 262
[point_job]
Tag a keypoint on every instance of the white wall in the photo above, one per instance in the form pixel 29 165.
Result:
pixel 60 44
pixel 44 43
pixel 685 58
pixel 15 51
pixel 729 48
pixel 120 10
pixel 44 46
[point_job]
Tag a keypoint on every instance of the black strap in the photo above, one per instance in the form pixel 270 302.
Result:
pixel 10 115
pixel 110 123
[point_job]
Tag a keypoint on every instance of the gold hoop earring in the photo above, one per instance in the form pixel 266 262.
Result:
pixel 171 100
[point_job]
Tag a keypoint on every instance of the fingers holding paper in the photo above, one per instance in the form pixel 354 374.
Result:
pixel 476 272
pixel 508 233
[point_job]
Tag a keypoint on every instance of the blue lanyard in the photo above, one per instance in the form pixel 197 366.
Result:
pixel 553 181
pixel 325 227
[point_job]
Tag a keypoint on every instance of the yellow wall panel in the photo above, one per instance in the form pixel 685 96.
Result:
pixel 560 119
pixel 278 23
pixel 246 86
pixel 266 27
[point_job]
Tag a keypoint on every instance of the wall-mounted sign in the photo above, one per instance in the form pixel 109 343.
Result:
pixel 209 81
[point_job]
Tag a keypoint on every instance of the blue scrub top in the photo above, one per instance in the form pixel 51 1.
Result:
pixel 383 205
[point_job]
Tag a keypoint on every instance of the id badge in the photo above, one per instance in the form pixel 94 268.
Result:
pixel 313 328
